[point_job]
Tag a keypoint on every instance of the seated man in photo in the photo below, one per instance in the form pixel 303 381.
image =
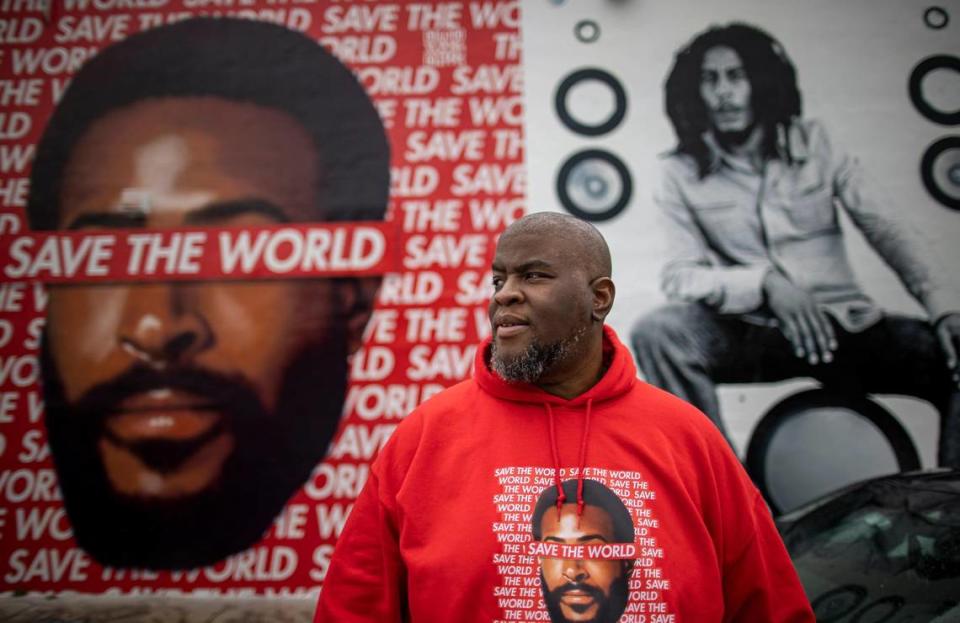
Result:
pixel 758 271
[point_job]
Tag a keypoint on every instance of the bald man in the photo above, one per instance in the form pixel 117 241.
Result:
pixel 554 340
pixel 442 529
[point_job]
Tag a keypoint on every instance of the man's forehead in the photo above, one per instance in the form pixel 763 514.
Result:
pixel 184 153
pixel 593 520
pixel 559 238
pixel 538 245
pixel 522 260
pixel 721 55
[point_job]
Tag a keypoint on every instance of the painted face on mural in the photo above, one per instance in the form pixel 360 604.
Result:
pixel 581 589
pixel 725 89
pixel 541 307
pixel 183 415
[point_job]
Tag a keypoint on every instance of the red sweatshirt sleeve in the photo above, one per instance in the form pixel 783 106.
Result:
pixel 366 576
pixel 367 580
pixel 759 580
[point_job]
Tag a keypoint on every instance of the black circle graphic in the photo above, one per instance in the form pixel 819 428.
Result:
pixel 586 31
pixel 892 604
pixel 936 186
pixel 837 603
pixel 801 405
pixel 936 18
pixel 590 173
pixel 591 73
pixel 924 67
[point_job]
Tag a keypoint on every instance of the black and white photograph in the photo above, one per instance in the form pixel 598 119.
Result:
pixel 778 186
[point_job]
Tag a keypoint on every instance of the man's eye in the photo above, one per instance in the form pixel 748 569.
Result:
pixel 108 220
pixel 497 283
pixel 535 275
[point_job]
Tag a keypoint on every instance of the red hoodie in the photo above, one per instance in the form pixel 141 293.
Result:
pixel 443 530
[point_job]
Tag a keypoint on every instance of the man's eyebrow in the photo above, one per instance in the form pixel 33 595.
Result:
pixel 594 537
pixel 534 264
pixel 529 265
pixel 208 214
pixel 109 220
pixel 582 539
pixel 222 210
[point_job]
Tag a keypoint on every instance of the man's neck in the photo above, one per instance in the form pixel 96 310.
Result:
pixel 583 373
pixel 747 145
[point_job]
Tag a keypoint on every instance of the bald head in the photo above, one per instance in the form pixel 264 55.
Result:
pixel 552 292
pixel 580 240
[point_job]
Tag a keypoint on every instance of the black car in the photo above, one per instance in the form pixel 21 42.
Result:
pixel 886 549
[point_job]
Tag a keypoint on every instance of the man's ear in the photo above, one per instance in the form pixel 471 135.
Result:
pixel 357 296
pixel 603 294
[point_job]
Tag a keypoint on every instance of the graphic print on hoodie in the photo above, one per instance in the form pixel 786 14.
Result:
pixel 577 545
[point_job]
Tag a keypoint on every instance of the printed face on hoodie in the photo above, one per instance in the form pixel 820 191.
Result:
pixel 541 307
pixel 581 589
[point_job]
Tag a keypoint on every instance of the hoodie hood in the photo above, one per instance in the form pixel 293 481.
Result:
pixel 618 379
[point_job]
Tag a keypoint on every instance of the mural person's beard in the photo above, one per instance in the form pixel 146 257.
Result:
pixel 273 455
pixel 731 139
pixel 609 607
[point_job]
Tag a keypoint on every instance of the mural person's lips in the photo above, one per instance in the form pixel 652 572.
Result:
pixel 728 113
pixel 166 434
pixel 163 414
pixel 164 443
pixel 578 597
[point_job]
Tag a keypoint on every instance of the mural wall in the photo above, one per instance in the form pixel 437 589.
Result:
pixel 206 201
pixel 238 250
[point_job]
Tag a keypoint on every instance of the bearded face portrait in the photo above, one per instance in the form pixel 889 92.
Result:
pixel 583 589
pixel 183 416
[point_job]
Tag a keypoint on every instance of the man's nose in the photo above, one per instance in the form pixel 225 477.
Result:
pixel 574 570
pixel 509 293
pixel 162 325
pixel 723 88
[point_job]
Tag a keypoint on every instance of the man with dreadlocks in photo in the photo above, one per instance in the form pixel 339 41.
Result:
pixel 758 276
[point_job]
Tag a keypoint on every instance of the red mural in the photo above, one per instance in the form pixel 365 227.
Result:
pixel 200 269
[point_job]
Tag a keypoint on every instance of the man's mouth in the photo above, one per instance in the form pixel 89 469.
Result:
pixel 509 326
pixel 728 112
pixel 162 414
pixel 579 597
pixel 164 428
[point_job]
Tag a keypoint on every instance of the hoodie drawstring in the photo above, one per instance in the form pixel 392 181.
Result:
pixel 583 459
pixel 561 497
